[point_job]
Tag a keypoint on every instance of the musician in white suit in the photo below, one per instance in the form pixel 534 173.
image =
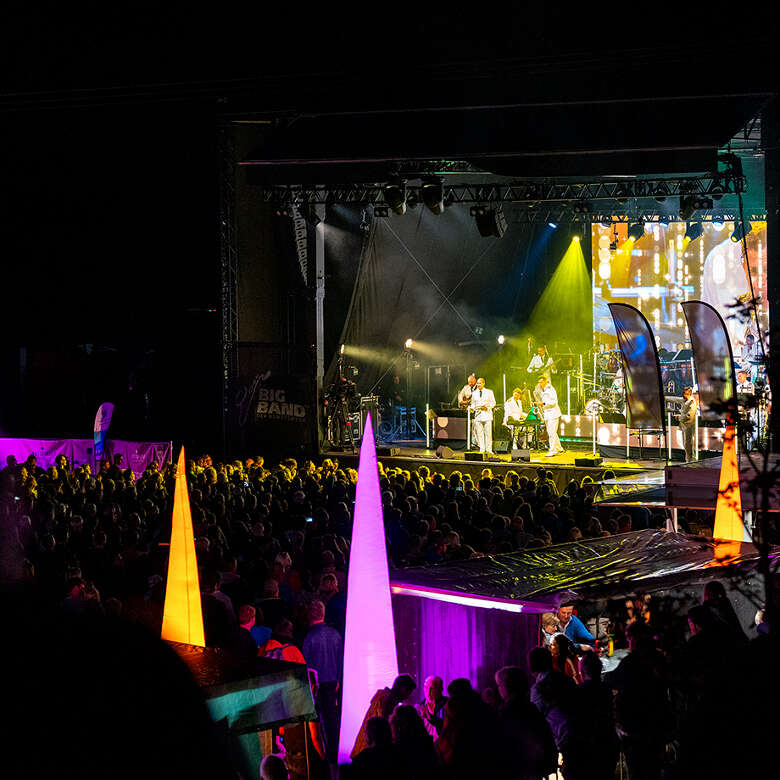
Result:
pixel 552 415
pixel 514 415
pixel 482 403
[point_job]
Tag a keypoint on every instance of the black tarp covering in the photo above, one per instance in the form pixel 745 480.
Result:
pixel 611 566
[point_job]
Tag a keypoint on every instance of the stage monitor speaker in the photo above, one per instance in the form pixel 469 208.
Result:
pixel 443 451
pixel 501 445
pixel 521 455
pixel 588 460
pixel 387 452
pixel 475 455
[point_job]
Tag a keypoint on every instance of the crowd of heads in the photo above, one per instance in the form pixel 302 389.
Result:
pixel 273 549
pixel 100 537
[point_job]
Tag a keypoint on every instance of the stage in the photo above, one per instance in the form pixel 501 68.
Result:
pixel 410 455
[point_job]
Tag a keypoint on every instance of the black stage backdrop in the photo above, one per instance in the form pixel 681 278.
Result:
pixel 436 280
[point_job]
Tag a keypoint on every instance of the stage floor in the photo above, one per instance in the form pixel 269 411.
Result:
pixel 412 454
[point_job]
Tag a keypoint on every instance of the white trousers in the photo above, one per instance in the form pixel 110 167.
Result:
pixel 484 431
pixel 552 435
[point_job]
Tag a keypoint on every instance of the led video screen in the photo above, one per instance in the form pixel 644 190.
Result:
pixel 665 265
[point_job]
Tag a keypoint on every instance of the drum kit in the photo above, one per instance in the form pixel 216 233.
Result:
pixel 610 390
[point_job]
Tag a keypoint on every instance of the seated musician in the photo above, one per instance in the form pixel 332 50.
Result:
pixel 514 417
pixel 744 385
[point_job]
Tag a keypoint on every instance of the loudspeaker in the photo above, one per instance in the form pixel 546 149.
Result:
pixel 521 455
pixel 445 452
pixel 501 445
pixel 588 460
pixel 490 222
pixel 387 452
pixel 476 455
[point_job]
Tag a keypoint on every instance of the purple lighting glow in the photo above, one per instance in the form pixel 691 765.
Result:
pixel 469 600
pixel 458 598
pixel 370 660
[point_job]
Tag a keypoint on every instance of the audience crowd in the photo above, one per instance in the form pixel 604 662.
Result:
pixel 273 549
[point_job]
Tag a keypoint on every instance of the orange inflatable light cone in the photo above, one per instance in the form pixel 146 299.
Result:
pixel 182 615
pixel 728 509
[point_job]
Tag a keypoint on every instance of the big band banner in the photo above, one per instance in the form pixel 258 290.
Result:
pixel 271 411
pixel 644 391
pixel 712 359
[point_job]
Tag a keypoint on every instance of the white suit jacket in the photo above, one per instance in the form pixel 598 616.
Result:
pixel 549 397
pixel 513 408
pixel 483 398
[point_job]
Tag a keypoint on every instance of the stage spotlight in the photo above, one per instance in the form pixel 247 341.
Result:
pixel 381 211
pixel 636 230
pixel 283 210
pixel 740 231
pixel 606 223
pixel 395 195
pixel 501 339
pixel 409 343
pixel 718 223
pixel 693 231
pixel 621 193
pixel 433 195
pixel 490 221
pixel 411 201
pixel 575 238
pixel 553 225
pixel 582 207
pixel 341 350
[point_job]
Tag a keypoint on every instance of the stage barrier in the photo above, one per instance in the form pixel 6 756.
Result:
pixel 136 455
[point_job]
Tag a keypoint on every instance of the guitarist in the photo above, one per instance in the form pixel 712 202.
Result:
pixel 541 363
pixel 465 393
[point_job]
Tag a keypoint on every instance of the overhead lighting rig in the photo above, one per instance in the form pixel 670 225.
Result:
pixel 398 190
